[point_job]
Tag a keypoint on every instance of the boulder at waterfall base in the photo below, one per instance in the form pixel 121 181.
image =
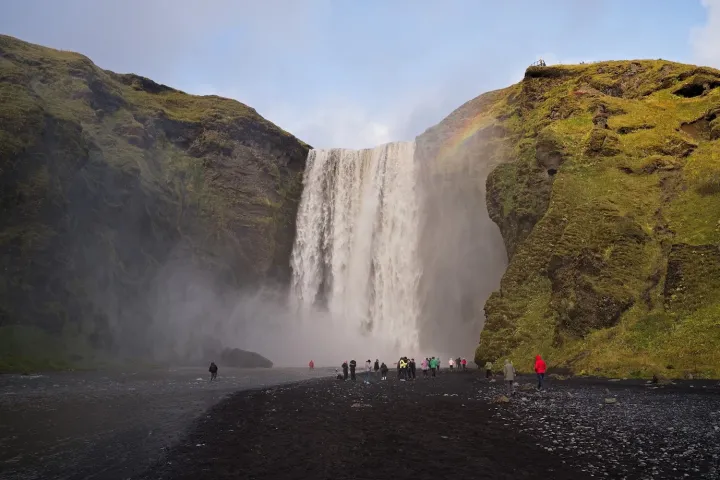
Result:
pixel 234 357
pixel 108 179
pixel 607 194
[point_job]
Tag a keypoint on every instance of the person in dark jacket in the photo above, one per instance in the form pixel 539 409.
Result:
pixel 412 368
pixel 353 364
pixel 376 366
pixel 383 371
pixel 213 371
pixel 345 370
pixel 403 369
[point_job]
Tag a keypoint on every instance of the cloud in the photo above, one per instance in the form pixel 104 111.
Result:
pixel 340 121
pixel 336 122
pixel 705 40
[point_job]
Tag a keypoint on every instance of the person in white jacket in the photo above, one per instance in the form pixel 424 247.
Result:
pixel 368 368
pixel 509 373
pixel 451 363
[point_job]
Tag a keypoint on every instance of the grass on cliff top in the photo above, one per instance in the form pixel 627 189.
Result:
pixel 629 175
pixel 38 82
pixel 63 78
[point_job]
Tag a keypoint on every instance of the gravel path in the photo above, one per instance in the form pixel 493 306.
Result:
pixel 172 424
pixel 451 427
pixel 334 430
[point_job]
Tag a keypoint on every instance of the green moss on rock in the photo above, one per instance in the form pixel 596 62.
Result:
pixel 609 208
pixel 106 177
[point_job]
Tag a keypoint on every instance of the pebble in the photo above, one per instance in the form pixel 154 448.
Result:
pixel 658 434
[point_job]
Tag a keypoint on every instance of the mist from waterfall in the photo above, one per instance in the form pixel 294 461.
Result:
pixel 355 256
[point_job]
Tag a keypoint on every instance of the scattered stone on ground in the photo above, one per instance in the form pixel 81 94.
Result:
pixel 451 427
pixel 644 431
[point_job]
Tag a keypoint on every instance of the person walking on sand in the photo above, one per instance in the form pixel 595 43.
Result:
pixel 311 364
pixel 433 365
pixel 368 369
pixel 383 371
pixel 213 371
pixel 458 362
pixel 412 368
pixel 451 362
pixel 540 368
pixel 353 365
pixel 424 366
pixel 377 367
pixel 464 363
pixel 488 369
pixel 345 370
pixel 509 373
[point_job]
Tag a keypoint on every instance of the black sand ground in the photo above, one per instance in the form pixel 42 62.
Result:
pixel 110 425
pixel 447 428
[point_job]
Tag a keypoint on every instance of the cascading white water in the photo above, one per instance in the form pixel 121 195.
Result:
pixel 357 239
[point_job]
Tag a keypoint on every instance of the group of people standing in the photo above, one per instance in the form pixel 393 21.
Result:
pixel 509 373
pixel 459 363
pixel 352 367
pixel 406 368
pixel 430 366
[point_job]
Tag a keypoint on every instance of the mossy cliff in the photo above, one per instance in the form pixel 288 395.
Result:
pixel 608 200
pixel 105 178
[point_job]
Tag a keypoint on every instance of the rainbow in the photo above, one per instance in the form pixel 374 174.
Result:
pixel 462 135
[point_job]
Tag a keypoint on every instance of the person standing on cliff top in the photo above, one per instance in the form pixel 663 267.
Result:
pixel 540 368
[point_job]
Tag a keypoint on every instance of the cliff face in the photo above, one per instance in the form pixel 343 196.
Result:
pixel 609 205
pixel 106 179
pixel 461 251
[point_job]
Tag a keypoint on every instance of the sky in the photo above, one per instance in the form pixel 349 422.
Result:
pixel 358 73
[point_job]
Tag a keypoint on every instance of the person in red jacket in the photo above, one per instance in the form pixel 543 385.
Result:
pixel 311 364
pixel 540 368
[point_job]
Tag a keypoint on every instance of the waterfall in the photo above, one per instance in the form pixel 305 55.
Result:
pixel 356 245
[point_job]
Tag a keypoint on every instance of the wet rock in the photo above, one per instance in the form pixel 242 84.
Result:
pixel 234 357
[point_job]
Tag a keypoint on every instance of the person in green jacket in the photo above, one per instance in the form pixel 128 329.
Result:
pixel 488 369
pixel 433 365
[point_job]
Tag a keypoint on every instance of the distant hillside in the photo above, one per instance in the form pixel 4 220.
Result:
pixel 609 204
pixel 105 179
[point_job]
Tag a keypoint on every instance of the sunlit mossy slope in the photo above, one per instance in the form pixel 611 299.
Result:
pixel 104 179
pixel 608 198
